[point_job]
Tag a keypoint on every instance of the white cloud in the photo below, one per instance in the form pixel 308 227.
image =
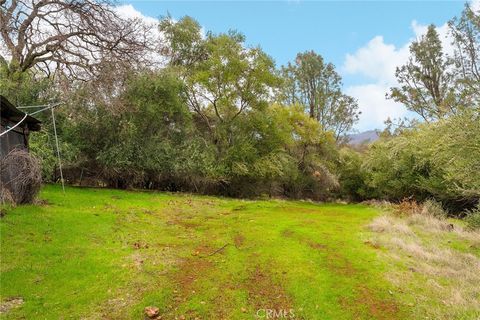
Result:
pixel 374 107
pixel 129 12
pixel 377 60
pixel 475 5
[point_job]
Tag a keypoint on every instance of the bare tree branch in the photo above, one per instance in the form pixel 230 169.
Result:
pixel 74 36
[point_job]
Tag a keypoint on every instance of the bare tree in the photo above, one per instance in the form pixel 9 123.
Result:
pixel 67 35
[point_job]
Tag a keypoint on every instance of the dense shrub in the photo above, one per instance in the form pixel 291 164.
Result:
pixel 140 142
pixel 353 176
pixel 473 218
pixel 439 160
pixel 151 139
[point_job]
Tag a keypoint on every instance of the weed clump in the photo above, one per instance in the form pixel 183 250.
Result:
pixel 473 218
pixel 433 208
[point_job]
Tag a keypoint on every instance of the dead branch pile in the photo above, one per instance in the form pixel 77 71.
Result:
pixel 20 177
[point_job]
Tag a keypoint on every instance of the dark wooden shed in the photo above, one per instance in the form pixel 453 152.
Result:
pixel 17 137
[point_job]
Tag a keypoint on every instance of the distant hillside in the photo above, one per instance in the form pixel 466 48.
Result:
pixel 363 137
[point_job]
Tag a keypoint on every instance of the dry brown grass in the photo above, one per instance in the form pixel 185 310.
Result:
pixel 437 267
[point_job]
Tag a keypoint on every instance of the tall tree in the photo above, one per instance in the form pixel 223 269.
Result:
pixel 225 80
pixel 317 86
pixel 425 83
pixel 184 42
pixel 466 41
pixel 73 36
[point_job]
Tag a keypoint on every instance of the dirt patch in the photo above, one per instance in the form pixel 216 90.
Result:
pixel 192 269
pixel 183 223
pixel 334 261
pixel 240 208
pixel 300 210
pixel 367 301
pixel 42 202
pixel 185 278
pixel 378 308
pixel 287 233
pixel 138 261
pixel 372 244
pixel 238 240
pixel 316 245
pixel 10 303
pixel 140 245
pixel 264 293
pixel 340 265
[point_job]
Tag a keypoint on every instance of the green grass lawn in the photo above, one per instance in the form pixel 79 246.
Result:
pixel 107 254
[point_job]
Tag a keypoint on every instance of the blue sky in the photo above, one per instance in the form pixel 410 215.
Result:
pixel 364 39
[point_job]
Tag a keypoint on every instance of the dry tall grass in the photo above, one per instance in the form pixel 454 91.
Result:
pixel 435 262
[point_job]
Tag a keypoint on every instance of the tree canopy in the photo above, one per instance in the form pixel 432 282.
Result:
pixel 316 85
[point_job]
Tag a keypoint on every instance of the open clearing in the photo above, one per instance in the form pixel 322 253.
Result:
pixel 108 254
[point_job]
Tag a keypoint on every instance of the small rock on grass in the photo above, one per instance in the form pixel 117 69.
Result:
pixel 152 312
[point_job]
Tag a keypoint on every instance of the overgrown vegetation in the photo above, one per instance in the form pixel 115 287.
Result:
pixel 438 160
pixel 219 118
pixel 473 218
pixel 207 113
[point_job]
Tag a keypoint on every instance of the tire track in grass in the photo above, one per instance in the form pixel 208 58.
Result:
pixel 377 308
pixel 265 295
pixel 366 302
pixel 199 273
pixel 193 281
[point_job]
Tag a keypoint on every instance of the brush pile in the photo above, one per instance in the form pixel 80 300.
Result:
pixel 20 177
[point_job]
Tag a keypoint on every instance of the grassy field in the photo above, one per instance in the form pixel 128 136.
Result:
pixel 107 254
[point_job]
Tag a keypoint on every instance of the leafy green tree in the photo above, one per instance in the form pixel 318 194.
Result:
pixel 134 144
pixel 312 151
pixel 317 86
pixel 226 80
pixel 185 44
pixel 425 84
pixel 25 88
pixel 31 88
